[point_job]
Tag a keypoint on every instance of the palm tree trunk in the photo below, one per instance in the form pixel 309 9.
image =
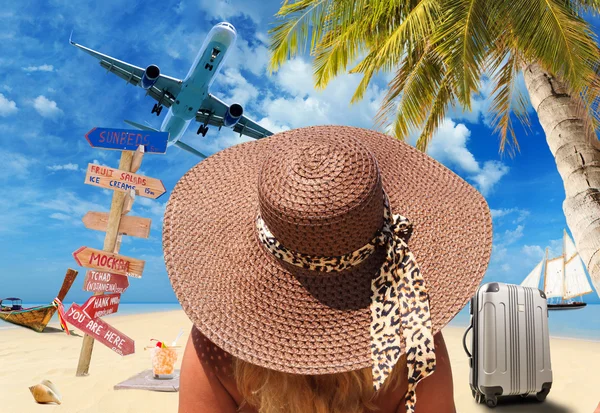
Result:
pixel 577 155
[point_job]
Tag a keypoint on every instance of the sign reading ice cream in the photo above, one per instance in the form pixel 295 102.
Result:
pixel 108 262
pixel 111 178
pixel 101 331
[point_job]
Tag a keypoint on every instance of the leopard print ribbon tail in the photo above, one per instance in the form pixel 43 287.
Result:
pixel 400 309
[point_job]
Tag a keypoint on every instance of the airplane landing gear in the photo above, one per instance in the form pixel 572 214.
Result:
pixel 202 130
pixel 157 109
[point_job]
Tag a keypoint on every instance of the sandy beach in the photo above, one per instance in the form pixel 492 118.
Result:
pixel 27 357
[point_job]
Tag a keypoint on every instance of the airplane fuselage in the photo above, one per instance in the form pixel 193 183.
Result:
pixel 197 82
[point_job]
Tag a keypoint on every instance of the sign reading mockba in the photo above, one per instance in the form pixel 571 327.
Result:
pixel 100 330
pixel 101 305
pixel 105 282
pixel 108 262
pixel 111 178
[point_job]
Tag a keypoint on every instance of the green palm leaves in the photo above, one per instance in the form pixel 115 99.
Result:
pixel 440 51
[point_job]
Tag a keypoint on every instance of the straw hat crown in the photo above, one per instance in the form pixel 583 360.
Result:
pixel 322 195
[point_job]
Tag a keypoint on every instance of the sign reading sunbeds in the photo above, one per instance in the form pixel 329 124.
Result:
pixel 100 305
pixel 128 140
pixel 111 178
pixel 109 262
pixel 100 330
pixel 105 282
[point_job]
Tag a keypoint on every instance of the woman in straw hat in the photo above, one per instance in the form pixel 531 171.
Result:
pixel 318 267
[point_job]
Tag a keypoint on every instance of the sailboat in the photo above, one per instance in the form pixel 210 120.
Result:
pixel 564 278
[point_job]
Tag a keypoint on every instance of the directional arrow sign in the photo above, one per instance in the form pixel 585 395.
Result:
pixel 128 140
pixel 100 305
pixel 108 262
pixel 111 178
pixel 100 330
pixel 101 282
pixel 132 226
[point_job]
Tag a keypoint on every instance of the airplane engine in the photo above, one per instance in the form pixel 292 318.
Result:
pixel 233 115
pixel 150 76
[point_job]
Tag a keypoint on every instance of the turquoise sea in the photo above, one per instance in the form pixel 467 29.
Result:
pixel 124 309
pixel 583 324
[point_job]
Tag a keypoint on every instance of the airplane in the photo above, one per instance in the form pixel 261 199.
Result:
pixel 189 98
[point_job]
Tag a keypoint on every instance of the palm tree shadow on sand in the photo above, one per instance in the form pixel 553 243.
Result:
pixel 516 404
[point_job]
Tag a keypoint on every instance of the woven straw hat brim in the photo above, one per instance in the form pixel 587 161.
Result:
pixel 285 318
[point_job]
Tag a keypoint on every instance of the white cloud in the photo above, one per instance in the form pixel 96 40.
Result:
pixel 70 205
pixel 42 68
pixel 7 106
pixel 226 9
pixel 46 107
pixel 60 216
pixel 14 165
pixel 490 175
pixel 522 214
pixel 65 167
pixel 510 237
pixel 449 146
pixel 533 251
pixel 242 92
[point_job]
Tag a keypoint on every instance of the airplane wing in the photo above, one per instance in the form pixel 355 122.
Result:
pixel 165 90
pixel 212 113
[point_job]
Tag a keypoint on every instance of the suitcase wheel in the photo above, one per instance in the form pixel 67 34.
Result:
pixel 491 401
pixel 541 396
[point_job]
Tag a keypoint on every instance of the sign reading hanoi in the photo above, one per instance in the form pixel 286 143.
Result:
pixel 111 178
pixel 128 140
pixel 100 330
pixel 100 305
pixel 106 261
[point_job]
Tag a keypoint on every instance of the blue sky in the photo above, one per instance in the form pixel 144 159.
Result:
pixel 51 94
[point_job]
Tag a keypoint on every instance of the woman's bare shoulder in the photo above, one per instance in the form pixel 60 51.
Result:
pixel 436 392
pixel 201 388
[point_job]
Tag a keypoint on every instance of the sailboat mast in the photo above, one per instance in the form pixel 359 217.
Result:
pixel 564 273
pixel 545 269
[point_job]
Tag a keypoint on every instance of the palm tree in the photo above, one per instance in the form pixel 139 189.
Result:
pixel 440 52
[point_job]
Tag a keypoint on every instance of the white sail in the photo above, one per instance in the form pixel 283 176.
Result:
pixel 576 282
pixel 554 279
pixel 533 279
pixel 569 247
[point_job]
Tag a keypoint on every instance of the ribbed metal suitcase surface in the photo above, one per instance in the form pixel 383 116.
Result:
pixel 510 343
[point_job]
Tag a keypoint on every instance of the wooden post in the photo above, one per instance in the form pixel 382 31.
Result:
pixel 110 245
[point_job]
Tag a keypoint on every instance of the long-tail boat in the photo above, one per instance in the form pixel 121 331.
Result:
pixel 38 317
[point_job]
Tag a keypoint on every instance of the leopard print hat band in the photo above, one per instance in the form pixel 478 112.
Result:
pixel 399 299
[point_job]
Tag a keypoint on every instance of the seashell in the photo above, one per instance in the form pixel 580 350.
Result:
pixel 52 387
pixel 43 394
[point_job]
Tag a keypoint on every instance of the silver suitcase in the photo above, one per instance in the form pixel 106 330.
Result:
pixel 510 346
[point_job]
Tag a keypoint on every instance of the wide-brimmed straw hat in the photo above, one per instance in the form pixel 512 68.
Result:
pixel 278 248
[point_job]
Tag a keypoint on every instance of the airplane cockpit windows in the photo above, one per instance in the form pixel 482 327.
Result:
pixel 215 53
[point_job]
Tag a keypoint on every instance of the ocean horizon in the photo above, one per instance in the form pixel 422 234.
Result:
pixel 581 324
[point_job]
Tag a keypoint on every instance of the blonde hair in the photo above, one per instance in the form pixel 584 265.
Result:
pixel 271 391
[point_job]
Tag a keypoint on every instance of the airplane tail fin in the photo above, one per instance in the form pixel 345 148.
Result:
pixel 189 149
pixel 140 126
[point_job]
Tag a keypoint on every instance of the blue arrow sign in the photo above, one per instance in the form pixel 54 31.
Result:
pixel 128 140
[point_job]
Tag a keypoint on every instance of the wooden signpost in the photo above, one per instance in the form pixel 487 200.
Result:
pixel 106 261
pixel 100 330
pixel 100 305
pixel 132 226
pixel 109 270
pixel 105 282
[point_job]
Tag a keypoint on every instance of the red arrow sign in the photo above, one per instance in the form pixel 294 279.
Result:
pixel 100 330
pixel 101 282
pixel 106 261
pixel 100 305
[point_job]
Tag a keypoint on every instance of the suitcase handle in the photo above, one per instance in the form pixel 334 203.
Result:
pixel 465 341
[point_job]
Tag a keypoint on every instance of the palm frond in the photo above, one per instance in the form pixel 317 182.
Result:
pixel 551 33
pixel 437 113
pixel 463 39
pixel 291 37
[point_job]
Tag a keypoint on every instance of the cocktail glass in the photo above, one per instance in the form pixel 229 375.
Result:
pixel 163 362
